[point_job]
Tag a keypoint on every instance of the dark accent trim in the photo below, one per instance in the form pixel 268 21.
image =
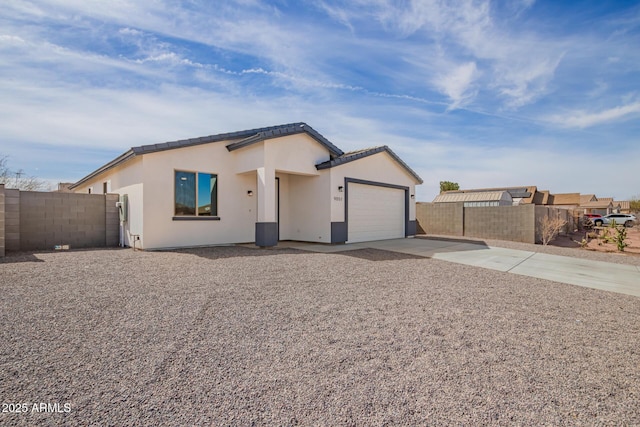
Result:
pixel 196 218
pixel 266 234
pixel 407 198
pixel 278 205
pixel 355 155
pixel 338 232
pixel 285 130
pixel 412 227
pixel 113 163
pixel 374 183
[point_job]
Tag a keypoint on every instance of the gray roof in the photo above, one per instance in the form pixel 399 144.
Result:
pixel 355 155
pixel 259 135
pixel 242 138
pixel 245 138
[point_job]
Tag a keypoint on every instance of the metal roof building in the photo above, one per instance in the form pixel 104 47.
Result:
pixel 478 198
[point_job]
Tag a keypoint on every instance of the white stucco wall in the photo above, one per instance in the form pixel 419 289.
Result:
pixel 297 154
pixel 126 178
pixel 379 167
pixel 237 210
pixel 304 208
pixel 310 208
pixel 284 205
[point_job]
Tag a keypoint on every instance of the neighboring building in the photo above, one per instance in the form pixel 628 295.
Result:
pixel 587 198
pixel 564 200
pixel 517 195
pixel 586 203
pixel 474 199
pixel 63 187
pixel 624 206
pixel 602 207
pixel 262 185
pixel 541 197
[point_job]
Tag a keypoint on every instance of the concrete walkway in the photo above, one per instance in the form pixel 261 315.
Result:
pixel 607 276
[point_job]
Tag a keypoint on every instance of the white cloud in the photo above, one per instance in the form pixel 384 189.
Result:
pixel 338 14
pixel 584 119
pixel 130 32
pixel 169 57
pixel 7 40
pixel 524 83
pixel 458 84
pixel 517 65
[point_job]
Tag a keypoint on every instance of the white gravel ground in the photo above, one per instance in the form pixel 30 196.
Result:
pixel 238 336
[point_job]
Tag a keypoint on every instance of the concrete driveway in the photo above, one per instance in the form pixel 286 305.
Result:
pixel 606 276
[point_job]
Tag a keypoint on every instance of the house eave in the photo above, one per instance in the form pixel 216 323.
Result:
pixel 293 129
pixel 112 164
pixel 341 160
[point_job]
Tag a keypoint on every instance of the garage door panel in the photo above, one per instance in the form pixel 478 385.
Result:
pixel 375 213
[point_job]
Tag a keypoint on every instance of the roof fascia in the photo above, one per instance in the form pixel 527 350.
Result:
pixel 112 164
pixel 347 159
pixel 278 133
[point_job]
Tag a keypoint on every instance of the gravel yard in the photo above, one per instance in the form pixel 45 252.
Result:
pixel 240 336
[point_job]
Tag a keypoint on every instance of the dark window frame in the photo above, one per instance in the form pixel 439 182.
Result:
pixel 194 206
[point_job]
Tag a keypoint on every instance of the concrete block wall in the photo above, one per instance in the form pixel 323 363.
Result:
pixel 12 219
pixel 440 218
pixel 512 223
pixel 41 220
pixel 569 215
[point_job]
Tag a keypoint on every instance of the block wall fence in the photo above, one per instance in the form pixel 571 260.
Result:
pixel 33 220
pixel 513 223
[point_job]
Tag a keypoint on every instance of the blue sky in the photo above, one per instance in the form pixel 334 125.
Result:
pixel 482 93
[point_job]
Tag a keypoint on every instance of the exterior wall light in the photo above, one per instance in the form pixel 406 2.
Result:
pixel 341 189
pixel 249 193
pixel 413 196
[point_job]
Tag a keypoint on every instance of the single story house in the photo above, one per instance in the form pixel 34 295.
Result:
pixel 564 200
pixel 625 206
pixel 262 185
pixel 587 198
pixel 601 206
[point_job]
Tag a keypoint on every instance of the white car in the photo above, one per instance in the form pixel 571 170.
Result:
pixel 621 219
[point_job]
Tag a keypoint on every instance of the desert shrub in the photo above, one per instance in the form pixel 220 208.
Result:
pixel 620 238
pixel 606 236
pixel 550 228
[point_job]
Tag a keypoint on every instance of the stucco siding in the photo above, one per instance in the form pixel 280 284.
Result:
pixel 284 206
pixel 310 213
pixel 296 154
pixel 124 179
pixel 126 174
pixel 247 159
pixel 379 167
pixel 236 209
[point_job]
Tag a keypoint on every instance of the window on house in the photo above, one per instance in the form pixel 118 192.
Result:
pixel 104 188
pixel 89 190
pixel 196 194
